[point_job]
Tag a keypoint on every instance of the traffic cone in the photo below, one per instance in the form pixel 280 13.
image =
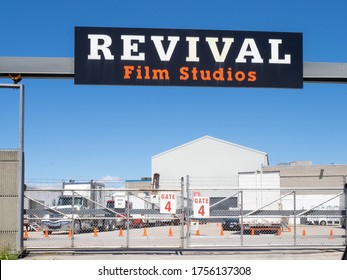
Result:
pixel 252 231
pixel 95 232
pixel 26 234
pixel 221 231
pixel 331 235
pixel 70 233
pixel 145 232
pixel 46 233
pixel 170 232
pixel 120 232
pixel 279 232
pixel 197 233
pixel 304 233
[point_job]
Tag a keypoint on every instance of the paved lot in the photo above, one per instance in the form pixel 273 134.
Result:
pixel 209 237
pixel 238 254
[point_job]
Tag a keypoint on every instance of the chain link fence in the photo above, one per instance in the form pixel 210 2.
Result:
pixel 232 212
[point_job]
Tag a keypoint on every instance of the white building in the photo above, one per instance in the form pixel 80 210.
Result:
pixel 207 157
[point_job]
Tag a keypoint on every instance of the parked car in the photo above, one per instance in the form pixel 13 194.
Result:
pixel 232 224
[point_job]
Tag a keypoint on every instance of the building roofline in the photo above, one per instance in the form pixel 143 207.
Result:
pixel 212 138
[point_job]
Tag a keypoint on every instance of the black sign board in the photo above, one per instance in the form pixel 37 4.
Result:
pixel 179 57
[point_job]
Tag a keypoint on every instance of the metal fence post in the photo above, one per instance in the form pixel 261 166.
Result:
pixel 294 206
pixel 73 220
pixel 241 220
pixel 189 209
pixel 182 212
pixel 128 220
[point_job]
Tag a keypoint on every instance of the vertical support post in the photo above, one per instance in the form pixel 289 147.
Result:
pixel 189 209
pixel 20 179
pixel 241 220
pixel 182 213
pixel 20 244
pixel 128 219
pixel 73 220
pixel 295 228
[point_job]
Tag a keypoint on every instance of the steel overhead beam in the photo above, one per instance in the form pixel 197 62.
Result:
pixel 326 72
pixel 37 67
pixel 47 67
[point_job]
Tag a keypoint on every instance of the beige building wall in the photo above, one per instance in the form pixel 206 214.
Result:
pixel 304 175
pixel 138 185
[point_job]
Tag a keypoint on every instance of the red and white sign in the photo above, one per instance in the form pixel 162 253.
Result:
pixel 196 194
pixel 168 203
pixel 201 207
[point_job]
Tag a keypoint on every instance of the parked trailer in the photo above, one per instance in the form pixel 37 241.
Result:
pixel 253 226
pixel 117 218
pixel 258 226
pixel 152 220
pixel 261 193
pixel 121 207
pixel 325 218
pixel 145 211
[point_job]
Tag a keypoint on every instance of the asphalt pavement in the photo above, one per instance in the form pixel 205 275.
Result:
pixel 242 254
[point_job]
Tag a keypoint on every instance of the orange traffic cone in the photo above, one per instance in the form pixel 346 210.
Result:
pixel 221 231
pixel 120 232
pixel 145 232
pixel 170 232
pixel 95 232
pixel 331 235
pixel 46 233
pixel 26 234
pixel 304 233
pixel 279 231
pixel 252 231
pixel 197 233
pixel 70 233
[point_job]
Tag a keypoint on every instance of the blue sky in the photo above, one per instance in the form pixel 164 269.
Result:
pixel 85 132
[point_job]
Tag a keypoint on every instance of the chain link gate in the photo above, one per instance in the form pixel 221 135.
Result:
pixel 236 217
pixel 76 218
pixel 267 217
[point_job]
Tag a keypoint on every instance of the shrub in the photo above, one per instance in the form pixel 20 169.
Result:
pixel 6 254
